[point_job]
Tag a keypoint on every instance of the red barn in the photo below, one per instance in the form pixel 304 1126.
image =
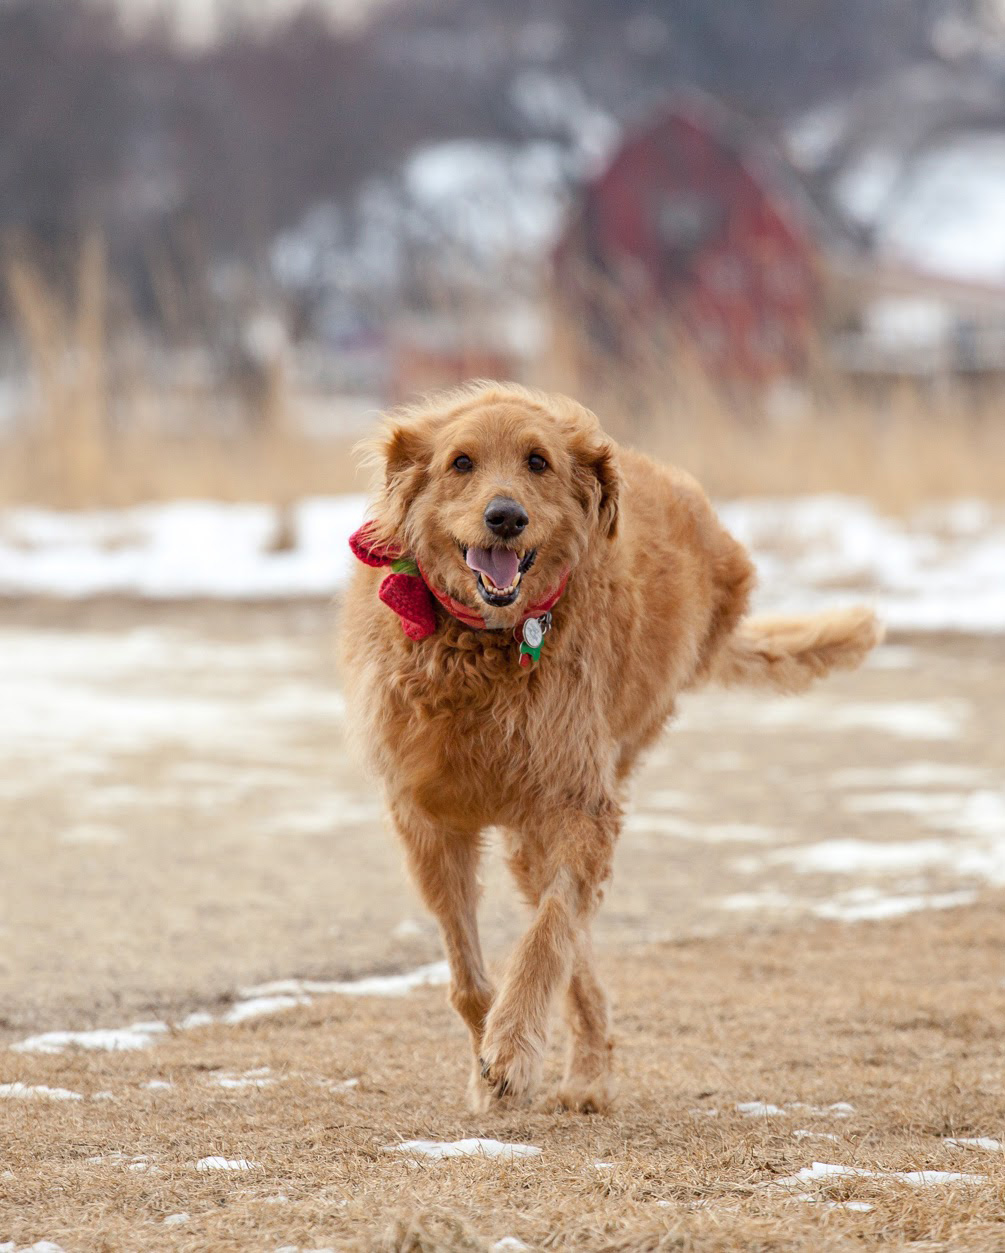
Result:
pixel 696 223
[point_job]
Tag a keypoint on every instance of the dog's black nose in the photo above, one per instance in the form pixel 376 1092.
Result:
pixel 505 517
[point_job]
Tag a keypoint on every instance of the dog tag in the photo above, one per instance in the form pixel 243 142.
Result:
pixel 533 633
pixel 532 637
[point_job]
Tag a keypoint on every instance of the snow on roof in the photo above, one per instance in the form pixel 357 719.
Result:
pixel 492 199
pixel 947 215
pixel 918 160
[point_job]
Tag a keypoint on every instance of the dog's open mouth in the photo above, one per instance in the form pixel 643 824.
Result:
pixel 500 572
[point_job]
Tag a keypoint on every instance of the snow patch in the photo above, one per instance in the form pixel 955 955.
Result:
pixel 260 1078
pixel 763 1109
pixel 851 856
pixel 912 720
pixel 436 974
pixel 30 1092
pixel 768 899
pixel 267 999
pixel 869 905
pixel 40 1246
pixel 139 1036
pixel 140 1162
pixel 912 774
pixel 918 804
pixel 917 1178
pixel 864 904
pixel 226 1163
pixel 937 570
pixel 645 822
pixel 258 1006
pixel 977 1142
pixel 759 1109
pixel 462 1148
pixel 180 549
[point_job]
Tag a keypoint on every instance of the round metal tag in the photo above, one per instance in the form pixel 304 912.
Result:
pixel 532 633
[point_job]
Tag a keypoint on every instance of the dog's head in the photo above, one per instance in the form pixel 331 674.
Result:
pixel 497 492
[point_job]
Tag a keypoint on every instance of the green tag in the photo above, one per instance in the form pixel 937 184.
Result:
pixel 534 652
pixel 404 565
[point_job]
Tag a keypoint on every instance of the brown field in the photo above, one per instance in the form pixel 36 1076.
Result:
pixel 180 823
pixel 903 1020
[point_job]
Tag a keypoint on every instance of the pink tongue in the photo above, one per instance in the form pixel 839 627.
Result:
pixel 500 564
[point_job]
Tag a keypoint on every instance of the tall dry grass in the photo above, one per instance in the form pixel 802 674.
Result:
pixel 898 442
pixel 899 448
pixel 102 427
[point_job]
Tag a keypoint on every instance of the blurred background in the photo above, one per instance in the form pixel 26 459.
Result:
pixel 764 239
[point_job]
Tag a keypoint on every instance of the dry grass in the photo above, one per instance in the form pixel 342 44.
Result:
pixel 910 454
pixel 147 466
pixel 904 1020
pixel 102 430
pixel 900 459
pixel 900 446
pixel 900 443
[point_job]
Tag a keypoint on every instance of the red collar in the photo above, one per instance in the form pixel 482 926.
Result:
pixel 410 594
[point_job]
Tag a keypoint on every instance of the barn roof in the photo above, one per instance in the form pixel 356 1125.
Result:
pixel 761 159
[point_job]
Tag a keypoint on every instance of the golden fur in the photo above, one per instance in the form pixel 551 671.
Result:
pixel 465 739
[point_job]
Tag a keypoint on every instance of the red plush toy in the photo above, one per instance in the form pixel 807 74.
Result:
pixel 404 590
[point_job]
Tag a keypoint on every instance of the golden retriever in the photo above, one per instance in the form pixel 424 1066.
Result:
pixel 529 602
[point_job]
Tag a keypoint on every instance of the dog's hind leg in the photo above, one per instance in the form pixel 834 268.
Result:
pixel 444 865
pixel 588 1086
pixel 571 860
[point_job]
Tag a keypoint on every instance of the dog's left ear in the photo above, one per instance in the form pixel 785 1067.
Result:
pixel 597 461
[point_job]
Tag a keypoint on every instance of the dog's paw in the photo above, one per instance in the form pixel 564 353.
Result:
pixel 510 1068
pixel 588 1096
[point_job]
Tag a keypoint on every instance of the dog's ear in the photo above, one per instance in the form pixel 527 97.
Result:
pixel 401 455
pixel 600 479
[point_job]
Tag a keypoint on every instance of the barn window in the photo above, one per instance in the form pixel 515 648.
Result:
pixel 686 221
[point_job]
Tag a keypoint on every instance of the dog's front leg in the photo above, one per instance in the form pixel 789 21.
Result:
pixel 444 864
pixel 573 852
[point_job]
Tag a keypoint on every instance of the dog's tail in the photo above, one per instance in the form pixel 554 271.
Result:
pixel 787 654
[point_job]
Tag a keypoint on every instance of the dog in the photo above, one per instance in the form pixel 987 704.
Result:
pixel 529 601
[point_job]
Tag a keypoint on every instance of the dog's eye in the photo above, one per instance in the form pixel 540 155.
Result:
pixel 537 463
pixel 463 464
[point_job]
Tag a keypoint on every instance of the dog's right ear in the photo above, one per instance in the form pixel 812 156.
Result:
pixel 401 455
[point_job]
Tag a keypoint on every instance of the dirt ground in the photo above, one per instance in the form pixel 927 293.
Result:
pixel 179 823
